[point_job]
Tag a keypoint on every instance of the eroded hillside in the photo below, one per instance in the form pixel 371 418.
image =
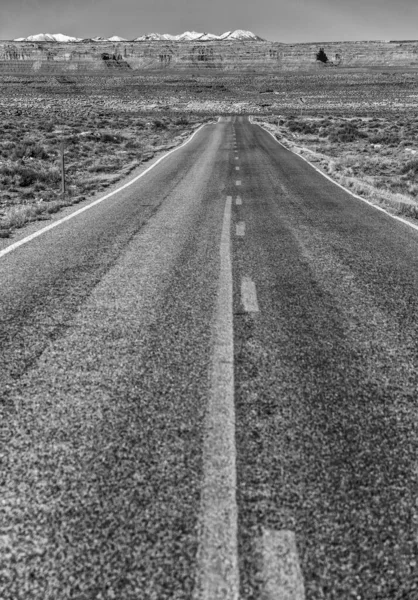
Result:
pixel 112 58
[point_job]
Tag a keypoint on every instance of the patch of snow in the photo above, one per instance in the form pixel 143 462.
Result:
pixel 189 36
pixel 157 37
pixel 59 37
pixel 48 37
pixel 241 34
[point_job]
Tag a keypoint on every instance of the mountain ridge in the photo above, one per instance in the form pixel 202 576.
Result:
pixel 113 57
pixel 187 36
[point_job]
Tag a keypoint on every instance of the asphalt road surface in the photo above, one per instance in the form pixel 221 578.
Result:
pixel 209 389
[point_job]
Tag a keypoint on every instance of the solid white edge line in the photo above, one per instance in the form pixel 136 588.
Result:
pixel 217 557
pixel 31 237
pixel 339 184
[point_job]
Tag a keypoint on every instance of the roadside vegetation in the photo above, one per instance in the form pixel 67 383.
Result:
pixel 100 149
pixel 356 124
pixel 375 157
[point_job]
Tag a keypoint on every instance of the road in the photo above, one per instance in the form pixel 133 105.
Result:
pixel 209 389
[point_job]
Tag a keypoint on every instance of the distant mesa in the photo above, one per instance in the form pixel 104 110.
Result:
pixel 188 36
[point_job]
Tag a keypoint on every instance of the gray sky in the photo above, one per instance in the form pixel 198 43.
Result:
pixel 276 20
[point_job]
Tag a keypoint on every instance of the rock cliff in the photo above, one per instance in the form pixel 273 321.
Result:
pixel 108 58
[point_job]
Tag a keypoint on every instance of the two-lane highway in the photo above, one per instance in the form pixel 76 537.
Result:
pixel 209 389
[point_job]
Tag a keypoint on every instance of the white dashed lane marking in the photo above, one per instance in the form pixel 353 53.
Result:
pixel 281 573
pixel 238 201
pixel 249 295
pixel 240 228
pixel 238 182
pixel 237 168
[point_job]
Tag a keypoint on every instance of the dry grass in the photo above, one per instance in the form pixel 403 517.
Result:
pixel 112 124
pixel 374 157
pixel 99 150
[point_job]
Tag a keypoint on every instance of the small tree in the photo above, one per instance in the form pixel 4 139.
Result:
pixel 322 56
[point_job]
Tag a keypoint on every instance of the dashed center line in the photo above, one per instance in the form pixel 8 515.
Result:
pixel 238 201
pixel 240 228
pixel 236 168
pixel 281 572
pixel 236 158
pixel 217 557
pixel 238 182
pixel 249 295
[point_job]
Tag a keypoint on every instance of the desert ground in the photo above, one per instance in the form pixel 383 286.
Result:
pixel 359 125
pixel 373 156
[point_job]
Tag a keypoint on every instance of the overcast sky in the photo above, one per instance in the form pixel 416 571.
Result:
pixel 276 20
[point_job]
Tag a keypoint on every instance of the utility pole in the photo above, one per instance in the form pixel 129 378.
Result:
pixel 62 170
pixel 302 102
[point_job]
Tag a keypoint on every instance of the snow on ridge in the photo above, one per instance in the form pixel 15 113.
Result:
pixel 193 36
pixel 241 34
pixel 157 37
pixel 48 37
pixel 187 36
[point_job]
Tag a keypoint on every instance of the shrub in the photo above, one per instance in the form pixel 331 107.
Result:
pixel 19 152
pixel 183 120
pixel 302 127
pixel 321 56
pixel 37 151
pixel 158 124
pixel 411 167
pixel 102 168
pixel 29 150
pixel 27 176
pixel 390 139
pixel 133 144
pixel 110 137
pixel 347 132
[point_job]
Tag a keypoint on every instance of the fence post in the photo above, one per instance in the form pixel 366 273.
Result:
pixel 62 170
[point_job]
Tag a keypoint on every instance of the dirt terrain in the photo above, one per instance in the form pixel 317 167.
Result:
pixel 111 125
pixel 375 157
